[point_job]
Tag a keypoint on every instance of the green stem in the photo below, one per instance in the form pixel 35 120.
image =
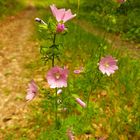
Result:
pixel 92 87
pixel 56 107
pixel 54 38
pixel 88 98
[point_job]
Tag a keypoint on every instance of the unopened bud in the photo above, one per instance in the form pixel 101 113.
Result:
pixel 59 91
pixel 80 102
pixel 40 21
pixel 60 28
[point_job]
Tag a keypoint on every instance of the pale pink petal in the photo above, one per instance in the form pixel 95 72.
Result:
pixel 102 69
pixel 30 96
pixel 68 15
pixel 60 14
pixel 31 91
pixel 57 13
pixel 32 86
pixel 53 9
pixel 115 67
pixel 108 73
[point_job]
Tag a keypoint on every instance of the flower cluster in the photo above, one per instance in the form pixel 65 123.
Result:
pixel 61 16
pixel 56 76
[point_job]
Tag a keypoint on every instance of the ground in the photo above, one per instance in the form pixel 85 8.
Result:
pixel 17 48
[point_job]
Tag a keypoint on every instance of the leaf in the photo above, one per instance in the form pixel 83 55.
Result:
pixel 42 26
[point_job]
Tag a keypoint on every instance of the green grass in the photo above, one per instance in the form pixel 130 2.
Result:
pixel 117 112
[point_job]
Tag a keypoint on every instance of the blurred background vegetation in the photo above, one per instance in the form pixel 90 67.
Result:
pixel 123 19
pixel 9 7
pixel 114 17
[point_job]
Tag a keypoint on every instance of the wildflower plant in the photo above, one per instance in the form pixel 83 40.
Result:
pixel 53 28
pixel 56 77
pixel 61 100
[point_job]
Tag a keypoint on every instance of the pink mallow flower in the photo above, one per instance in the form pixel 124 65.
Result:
pixel 121 1
pixel 57 77
pixel 61 15
pixel 31 91
pixel 108 65
pixel 80 102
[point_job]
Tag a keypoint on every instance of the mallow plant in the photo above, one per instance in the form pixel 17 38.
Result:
pixel 59 94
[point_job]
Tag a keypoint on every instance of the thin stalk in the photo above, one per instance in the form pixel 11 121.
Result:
pixel 92 87
pixel 56 108
pixel 54 38
pixel 88 98
pixel 78 5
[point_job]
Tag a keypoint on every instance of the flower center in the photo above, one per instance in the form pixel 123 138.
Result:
pixel 106 65
pixel 57 76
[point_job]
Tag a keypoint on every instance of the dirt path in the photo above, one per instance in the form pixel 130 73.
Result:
pixel 16 49
pixel 114 40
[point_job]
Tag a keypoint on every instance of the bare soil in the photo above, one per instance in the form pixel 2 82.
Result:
pixel 17 48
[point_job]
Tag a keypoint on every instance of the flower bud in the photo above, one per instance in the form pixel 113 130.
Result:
pixel 60 28
pixel 80 102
